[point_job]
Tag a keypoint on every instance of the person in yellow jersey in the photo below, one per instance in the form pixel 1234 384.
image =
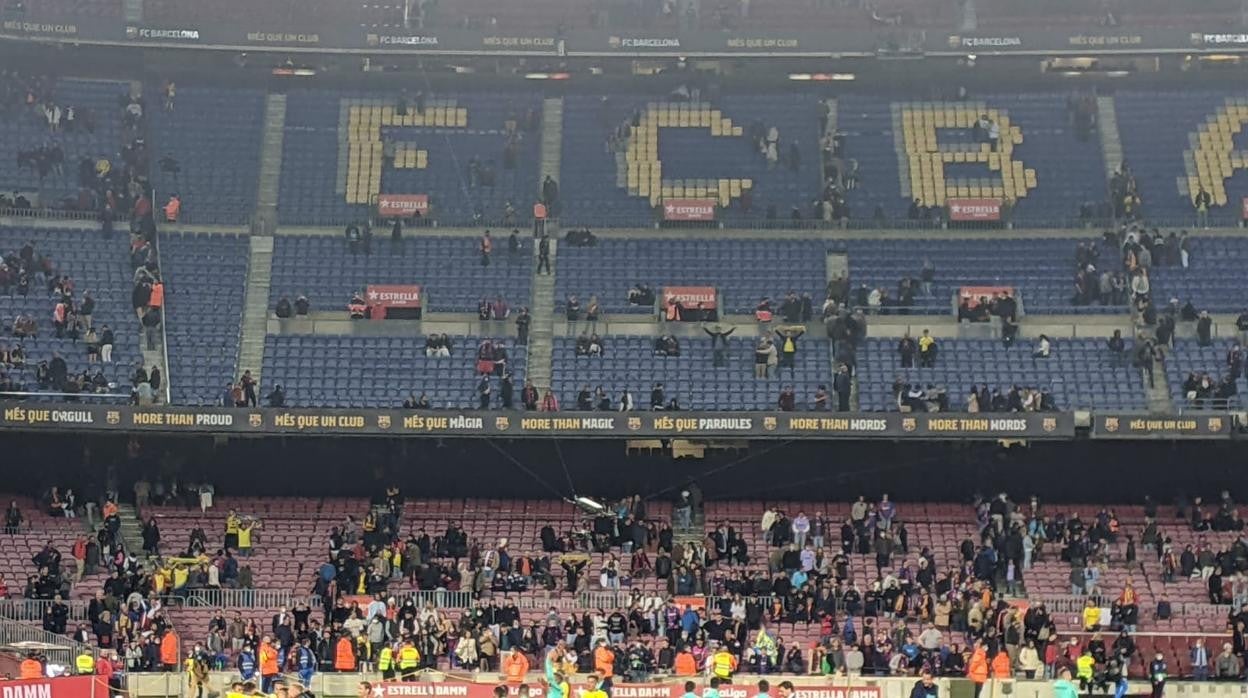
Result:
pixel 84 664
pixel 723 664
pixel 593 687
pixel 409 661
pixel 386 662
pixel 231 530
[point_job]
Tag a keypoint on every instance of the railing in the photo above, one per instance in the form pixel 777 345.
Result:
pixel 55 214
pixel 68 397
pixel 17 634
pixel 237 598
pixel 33 609
pixel 1069 603
pixel 164 332
pixel 1075 604
pixel 274 598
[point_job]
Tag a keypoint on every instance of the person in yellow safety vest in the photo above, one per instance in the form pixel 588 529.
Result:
pixel 409 661
pixel 1085 669
pixel 84 664
pixel 385 663
pixel 723 664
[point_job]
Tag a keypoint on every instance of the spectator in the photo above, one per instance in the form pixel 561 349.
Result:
pixel 927 350
pixel 1042 348
pixel 787 401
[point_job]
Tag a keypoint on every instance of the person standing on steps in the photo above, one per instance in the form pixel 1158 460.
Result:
pixel 543 253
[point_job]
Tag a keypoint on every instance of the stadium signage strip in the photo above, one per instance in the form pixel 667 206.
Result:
pixel 1135 426
pixel 674 689
pixel 343 422
pixel 228 35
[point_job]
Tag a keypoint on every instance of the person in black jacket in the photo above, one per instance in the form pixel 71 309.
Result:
pixel 925 687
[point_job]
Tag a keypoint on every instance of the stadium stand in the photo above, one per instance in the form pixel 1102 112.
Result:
pixel 1039 268
pixel 206 281
pixel 1038 162
pixel 335 371
pixel 1171 159
pixel 1078 372
pixel 98 266
pixel 1188 362
pixel 938 548
pixel 213 136
pixel 94 132
pixel 448 269
pixel 614 169
pixel 455 150
pixel 631 363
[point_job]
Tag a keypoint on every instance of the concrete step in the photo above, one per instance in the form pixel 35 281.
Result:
pixel 256 305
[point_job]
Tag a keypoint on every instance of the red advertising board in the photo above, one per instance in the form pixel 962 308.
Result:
pixel 61 687
pixel 974 293
pixel 974 209
pixel 690 296
pixel 619 690
pixel 1244 208
pixel 689 209
pixel 402 205
pixel 383 298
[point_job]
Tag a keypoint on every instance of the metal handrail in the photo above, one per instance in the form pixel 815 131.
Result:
pixel 33 609
pixel 67 396
pixel 13 632
pixel 164 320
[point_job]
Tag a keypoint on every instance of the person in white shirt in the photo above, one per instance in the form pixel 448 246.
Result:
pixel 1042 348
pixel 800 527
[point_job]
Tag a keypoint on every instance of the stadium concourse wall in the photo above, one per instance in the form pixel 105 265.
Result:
pixel 744 686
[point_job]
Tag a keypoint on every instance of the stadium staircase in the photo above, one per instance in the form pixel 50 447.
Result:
pixel 1159 395
pixel 1107 127
pixel 131 528
pixel 270 163
pixel 256 304
pixel 541 331
pixel 838 265
pixel 552 140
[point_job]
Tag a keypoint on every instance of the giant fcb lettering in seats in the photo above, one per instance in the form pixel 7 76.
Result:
pixel 974 209
pixel 402 205
pixel 61 687
pixel 689 209
pixel 620 690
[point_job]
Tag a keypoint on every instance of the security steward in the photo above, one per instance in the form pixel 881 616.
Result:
pixel 344 655
pixel 385 663
pixel 84 664
pixel 31 667
pixel 723 663
pixel 409 661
